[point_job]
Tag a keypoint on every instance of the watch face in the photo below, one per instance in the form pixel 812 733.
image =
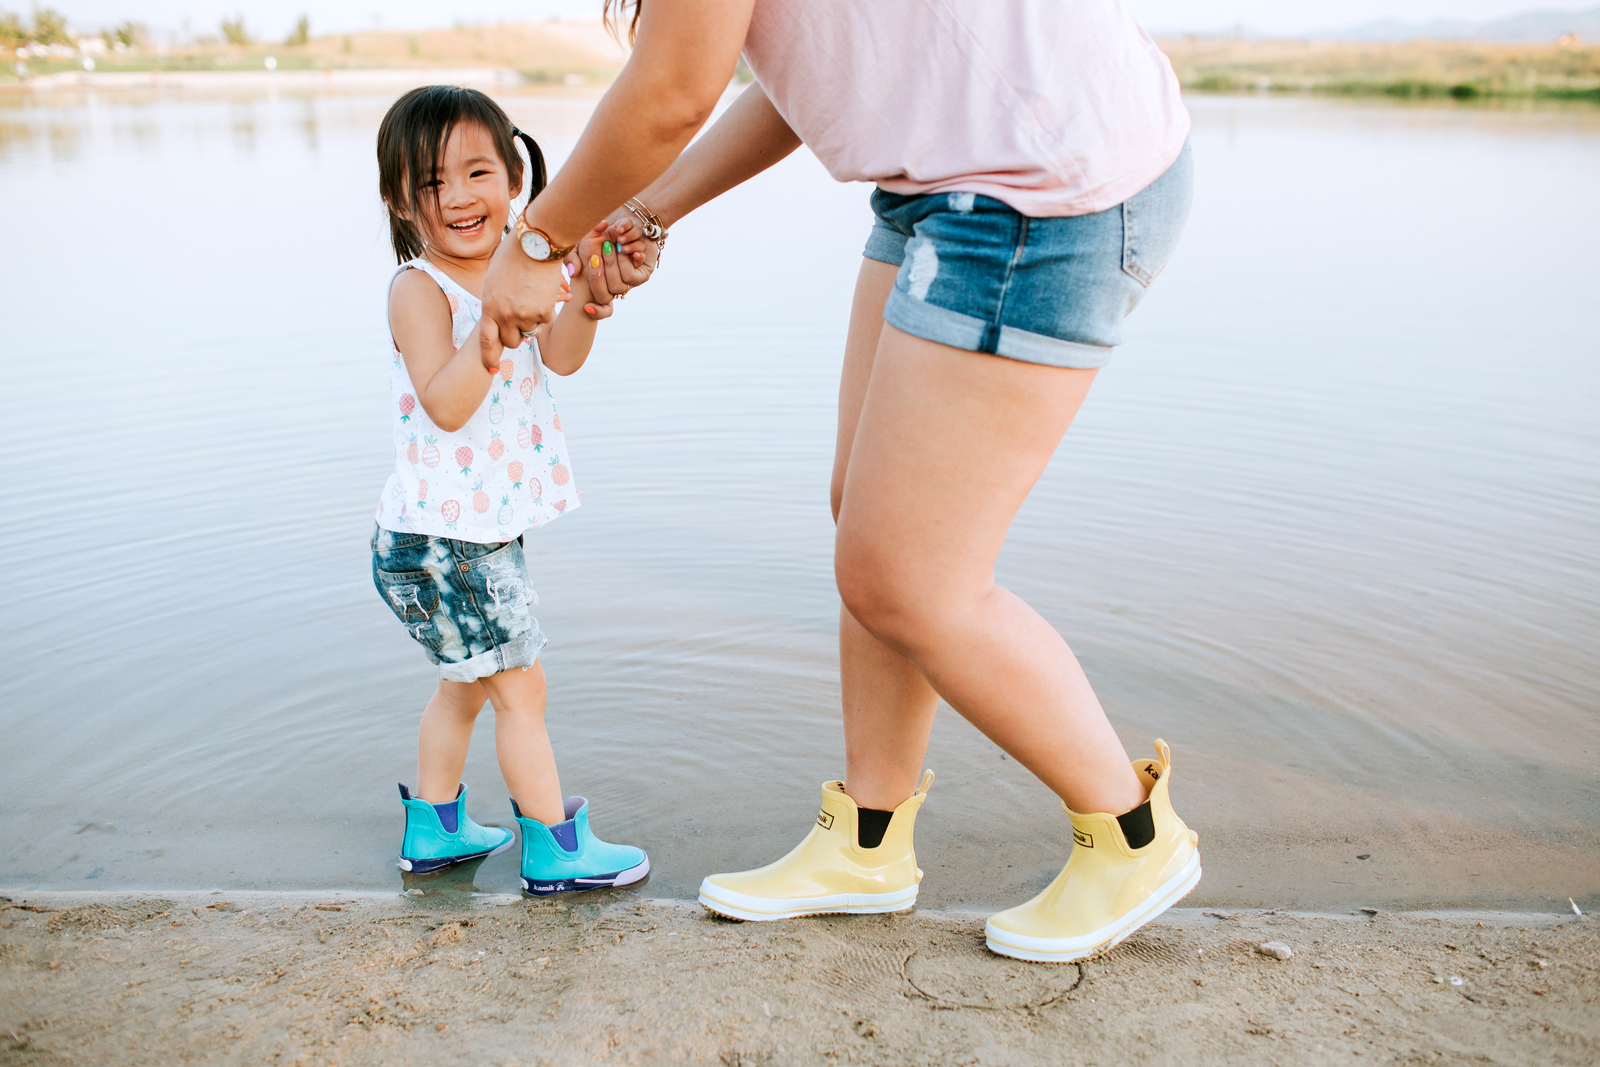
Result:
pixel 535 245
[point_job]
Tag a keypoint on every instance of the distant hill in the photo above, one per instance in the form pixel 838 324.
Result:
pixel 1527 27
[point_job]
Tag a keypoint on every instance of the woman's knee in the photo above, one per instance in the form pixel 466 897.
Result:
pixel 885 600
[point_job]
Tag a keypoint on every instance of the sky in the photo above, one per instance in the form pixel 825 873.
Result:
pixel 273 18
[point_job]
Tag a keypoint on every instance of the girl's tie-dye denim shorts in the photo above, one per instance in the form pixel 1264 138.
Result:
pixel 468 605
pixel 977 275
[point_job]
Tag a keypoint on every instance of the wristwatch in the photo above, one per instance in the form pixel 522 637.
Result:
pixel 537 244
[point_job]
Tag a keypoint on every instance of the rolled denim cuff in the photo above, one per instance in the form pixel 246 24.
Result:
pixel 521 651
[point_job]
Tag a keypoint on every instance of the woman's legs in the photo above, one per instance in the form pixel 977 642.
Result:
pixel 946 446
pixel 888 704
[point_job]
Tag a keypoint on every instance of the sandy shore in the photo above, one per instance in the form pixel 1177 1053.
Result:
pixel 357 979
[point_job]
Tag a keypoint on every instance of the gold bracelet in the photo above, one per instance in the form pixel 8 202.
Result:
pixel 649 221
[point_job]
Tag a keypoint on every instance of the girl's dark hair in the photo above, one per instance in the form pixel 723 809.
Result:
pixel 617 10
pixel 411 144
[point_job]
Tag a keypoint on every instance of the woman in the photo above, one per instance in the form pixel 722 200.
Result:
pixel 1033 178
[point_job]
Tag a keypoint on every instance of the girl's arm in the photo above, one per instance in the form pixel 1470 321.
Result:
pixel 681 64
pixel 450 382
pixel 564 344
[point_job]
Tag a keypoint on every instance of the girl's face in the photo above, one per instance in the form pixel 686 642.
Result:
pixel 474 198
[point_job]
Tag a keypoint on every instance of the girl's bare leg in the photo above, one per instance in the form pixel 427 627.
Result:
pixel 527 761
pixel 916 569
pixel 443 737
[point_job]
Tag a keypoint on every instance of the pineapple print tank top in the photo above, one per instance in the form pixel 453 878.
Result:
pixel 503 472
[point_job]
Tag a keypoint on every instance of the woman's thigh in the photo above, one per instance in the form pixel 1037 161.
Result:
pixel 946 448
pixel 873 286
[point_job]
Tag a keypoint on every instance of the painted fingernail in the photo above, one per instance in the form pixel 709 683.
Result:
pixel 594 261
pixel 607 247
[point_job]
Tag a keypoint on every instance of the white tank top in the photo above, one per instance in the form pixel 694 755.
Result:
pixel 503 472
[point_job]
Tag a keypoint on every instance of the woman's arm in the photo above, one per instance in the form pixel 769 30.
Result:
pixel 682 61
pixel 750 137
pixel 450 382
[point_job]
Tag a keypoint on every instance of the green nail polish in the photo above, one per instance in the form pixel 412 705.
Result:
pixel 605 246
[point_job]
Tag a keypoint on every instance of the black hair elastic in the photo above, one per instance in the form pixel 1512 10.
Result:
pixel 536 179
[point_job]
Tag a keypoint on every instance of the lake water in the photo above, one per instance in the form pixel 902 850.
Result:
pixel 1328 524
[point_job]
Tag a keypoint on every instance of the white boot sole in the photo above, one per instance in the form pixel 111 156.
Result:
pixel 1086 946
pixel 578 885
pixel 731 905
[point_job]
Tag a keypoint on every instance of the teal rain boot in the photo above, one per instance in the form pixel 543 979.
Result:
pixel 441 835
pixel 567 856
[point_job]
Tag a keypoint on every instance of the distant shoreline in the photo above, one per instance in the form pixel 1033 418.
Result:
pixel 1460 70
pixel 578 53
pixel 346 79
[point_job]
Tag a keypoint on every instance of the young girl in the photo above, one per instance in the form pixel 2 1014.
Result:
pixel 479 459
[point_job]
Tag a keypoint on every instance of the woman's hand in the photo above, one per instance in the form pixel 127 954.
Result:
pixel 624 260
pixel 520 294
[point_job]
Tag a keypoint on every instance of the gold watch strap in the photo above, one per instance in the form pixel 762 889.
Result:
pixel 556 251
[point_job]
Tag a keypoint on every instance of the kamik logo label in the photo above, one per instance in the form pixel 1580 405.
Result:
pixel 1086 840
pixel 825 820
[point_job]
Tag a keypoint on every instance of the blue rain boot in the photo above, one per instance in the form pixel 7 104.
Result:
pixel 442 835
pixel 568 857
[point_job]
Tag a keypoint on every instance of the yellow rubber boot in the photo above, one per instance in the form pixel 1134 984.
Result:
pixel 829 871
pixel 1107 890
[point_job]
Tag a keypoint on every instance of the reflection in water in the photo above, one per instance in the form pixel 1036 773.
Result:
pixel 1327 523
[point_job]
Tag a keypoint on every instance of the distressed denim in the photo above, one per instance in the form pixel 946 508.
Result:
pixel 466 604
pixel 975 274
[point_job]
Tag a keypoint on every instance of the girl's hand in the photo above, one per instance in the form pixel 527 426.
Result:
pixel 591 259
pixel 490 350
pixel 589 251
pixel 615 267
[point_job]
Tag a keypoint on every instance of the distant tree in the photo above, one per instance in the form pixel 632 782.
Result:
pixel 302 31
pixel 50 26
pixel 234 33
pixel 13 34
pixel 126 33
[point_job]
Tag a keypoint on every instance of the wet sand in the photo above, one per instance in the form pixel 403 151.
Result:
pixel 612 978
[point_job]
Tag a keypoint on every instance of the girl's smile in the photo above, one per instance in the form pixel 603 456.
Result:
pixel 470 227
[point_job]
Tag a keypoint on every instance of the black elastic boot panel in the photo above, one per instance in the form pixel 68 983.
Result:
pixel 1138 826
pixel 872 824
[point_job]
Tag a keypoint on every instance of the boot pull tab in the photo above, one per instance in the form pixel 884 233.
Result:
pixel 927 781
pixel 1164 756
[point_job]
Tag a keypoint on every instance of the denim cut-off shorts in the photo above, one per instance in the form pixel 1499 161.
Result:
pixel 976 275
pixel 466 604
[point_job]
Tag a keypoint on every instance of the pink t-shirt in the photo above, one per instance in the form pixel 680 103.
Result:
pixel 1056 107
